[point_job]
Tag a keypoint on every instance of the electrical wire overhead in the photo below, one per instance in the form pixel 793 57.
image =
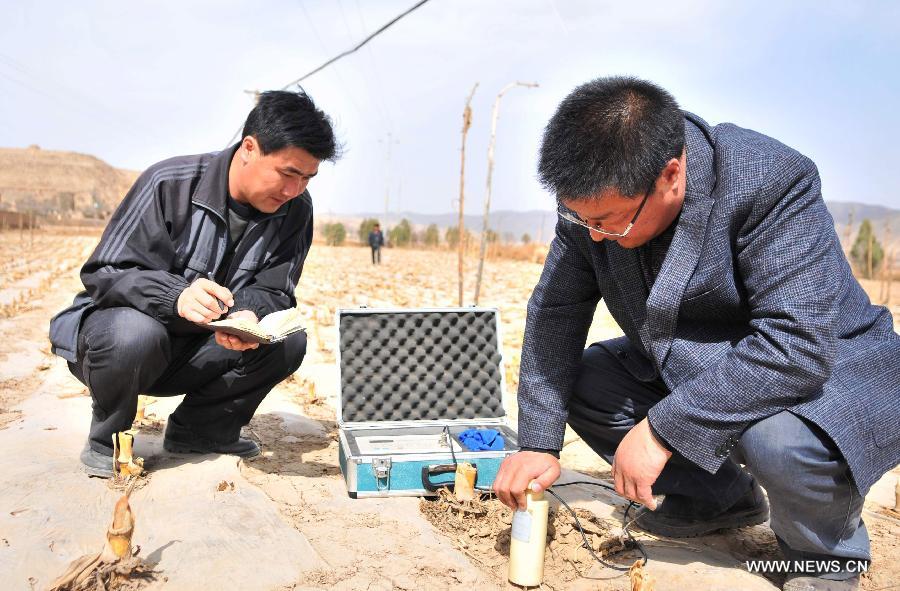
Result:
pixel 362 43
pixel 383 28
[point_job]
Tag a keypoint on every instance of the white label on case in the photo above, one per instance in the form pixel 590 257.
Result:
pixel 521 526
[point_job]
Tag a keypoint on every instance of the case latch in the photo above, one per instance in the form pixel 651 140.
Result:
pixel 381 469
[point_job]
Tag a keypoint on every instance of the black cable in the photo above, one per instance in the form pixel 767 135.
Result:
pixel 450 443
pixel 362 43
pixel 586 543
pixel 383 28
pixel 625 524
pixel 589 482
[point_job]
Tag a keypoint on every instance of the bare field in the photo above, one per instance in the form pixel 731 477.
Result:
pixel 296 528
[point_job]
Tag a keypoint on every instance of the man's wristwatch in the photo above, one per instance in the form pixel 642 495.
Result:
pixel 552 452
pixel 659 437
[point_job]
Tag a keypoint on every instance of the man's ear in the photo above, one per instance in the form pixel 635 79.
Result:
pixel 249 148
pixel 672 170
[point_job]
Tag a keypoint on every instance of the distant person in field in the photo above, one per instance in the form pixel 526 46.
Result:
pixel 376 241
pixel 752 358
pixel 198 238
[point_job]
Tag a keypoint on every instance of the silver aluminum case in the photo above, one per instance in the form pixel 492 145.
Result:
pixel 357 461
pixel 504 420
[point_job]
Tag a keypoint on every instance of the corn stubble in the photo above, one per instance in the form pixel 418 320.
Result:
pixel 125 464
pixel 640 579
pixel 117 565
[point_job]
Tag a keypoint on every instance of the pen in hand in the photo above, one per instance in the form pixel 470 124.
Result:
pixel 221 304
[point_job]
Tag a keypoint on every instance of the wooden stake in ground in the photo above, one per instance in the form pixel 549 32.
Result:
pixel 115 563
pixel 467 123
pixel 490 172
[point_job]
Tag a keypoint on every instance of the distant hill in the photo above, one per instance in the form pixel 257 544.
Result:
pixel 69 185
pixel 60 185
pixel 539 224
pixel 877 214
pixel 510 225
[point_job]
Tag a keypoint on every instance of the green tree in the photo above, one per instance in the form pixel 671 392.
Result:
pixel 491 236
pixel 432 236
pixel 526 238
pixel 866 245
pixel 451 236
pixel 335 234
pixel 365 227
pixel 401 234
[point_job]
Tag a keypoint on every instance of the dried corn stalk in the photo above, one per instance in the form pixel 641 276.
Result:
pixel 897 496
pixel 115 563
pixel 124 462
pixel 640 579
pixel 141 405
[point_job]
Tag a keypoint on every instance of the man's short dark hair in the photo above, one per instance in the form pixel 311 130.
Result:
pixel 284 119
pixel 611 133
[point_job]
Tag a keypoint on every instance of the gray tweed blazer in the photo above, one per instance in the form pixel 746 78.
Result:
pixel 754 311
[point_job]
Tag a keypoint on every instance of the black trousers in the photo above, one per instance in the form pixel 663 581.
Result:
pixel 608 401
pixel 123 353
pixel 815 507
pixel 376 255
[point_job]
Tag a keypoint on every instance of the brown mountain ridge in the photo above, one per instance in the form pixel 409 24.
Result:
pixel 60 185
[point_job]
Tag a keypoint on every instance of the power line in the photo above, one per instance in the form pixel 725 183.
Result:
pixel 361 44
pixel 337 72
pixel 383 28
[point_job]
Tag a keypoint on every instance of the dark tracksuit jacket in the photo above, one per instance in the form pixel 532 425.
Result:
pixel 170 230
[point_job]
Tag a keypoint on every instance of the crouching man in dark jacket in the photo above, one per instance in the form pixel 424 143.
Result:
pixel 198 238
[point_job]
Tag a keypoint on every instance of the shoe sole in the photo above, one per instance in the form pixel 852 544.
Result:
pixel 735 521
pixel 178 448
pixel 96 472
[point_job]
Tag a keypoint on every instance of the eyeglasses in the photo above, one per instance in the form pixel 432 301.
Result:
pixel 571 217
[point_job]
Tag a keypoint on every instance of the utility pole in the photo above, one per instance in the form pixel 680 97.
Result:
pixel 460 228
pixel 387 172
pixel 869 253
pixel 849 238
pixel 487 199
pixel 887 266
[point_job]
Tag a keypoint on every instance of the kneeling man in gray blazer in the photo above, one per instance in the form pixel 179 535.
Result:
pixel 751 357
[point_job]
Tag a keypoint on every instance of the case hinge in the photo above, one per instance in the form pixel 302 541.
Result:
pixel 381 469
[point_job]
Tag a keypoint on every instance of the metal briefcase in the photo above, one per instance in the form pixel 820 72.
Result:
pixel 411 382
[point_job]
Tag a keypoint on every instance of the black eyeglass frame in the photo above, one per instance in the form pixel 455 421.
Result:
pixel 566 215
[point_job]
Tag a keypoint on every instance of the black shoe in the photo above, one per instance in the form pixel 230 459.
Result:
pixel 673 522
pixel 95 463
pixel 179 439
pixel 807 583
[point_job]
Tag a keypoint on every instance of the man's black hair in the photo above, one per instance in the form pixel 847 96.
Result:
pixel 611 133
pixel 284 119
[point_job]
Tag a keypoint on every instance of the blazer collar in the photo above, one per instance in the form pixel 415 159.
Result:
pixel 654 315
pixel 684 252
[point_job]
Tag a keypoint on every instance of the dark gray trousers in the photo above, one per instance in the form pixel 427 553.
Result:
pixel 815 506
pixel 123 353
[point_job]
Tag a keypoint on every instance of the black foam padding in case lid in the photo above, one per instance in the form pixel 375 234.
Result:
pixel 420 365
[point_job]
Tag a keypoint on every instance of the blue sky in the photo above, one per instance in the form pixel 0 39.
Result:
pixel 135 83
